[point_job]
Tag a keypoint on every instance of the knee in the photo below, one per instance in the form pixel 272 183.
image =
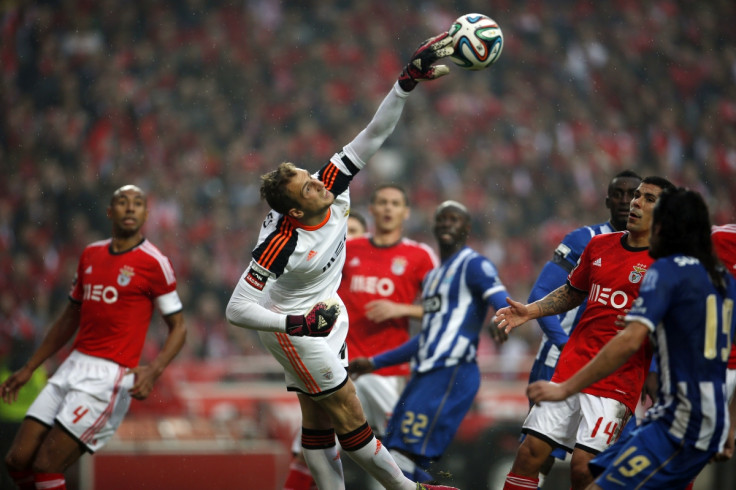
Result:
pixel 580 475
pixel 15 462
pixel 531 456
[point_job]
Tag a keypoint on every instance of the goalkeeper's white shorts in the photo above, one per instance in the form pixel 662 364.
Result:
pixel 314 366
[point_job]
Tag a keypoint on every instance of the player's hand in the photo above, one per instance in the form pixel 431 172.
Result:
pixel 420 67
pixel 512 316
pixel 318 322
pixel 360 365
pixel 728 448
pixel 145 378
pixel 546 391
pixel 10 387
pixel 651 387
pixel 499 336
pixel 620 323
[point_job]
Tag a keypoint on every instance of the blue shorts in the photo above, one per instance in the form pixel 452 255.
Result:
pixel 430 410
pixel 648 458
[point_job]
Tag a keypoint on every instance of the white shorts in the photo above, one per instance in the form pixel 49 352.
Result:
pixel 314 366
pixel 730 383
pixel 590 422
pixel 88 396
pixel 378 395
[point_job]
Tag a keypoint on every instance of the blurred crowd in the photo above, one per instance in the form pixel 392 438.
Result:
pixel 194 99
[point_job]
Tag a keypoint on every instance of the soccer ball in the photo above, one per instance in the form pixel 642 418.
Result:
pixel 477 40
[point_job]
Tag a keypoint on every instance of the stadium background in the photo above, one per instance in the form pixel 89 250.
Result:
pixel 193 100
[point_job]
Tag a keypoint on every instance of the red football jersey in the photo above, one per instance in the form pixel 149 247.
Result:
pixel 724 243
pixel 117 292
pixel 371 272
pixel 611 272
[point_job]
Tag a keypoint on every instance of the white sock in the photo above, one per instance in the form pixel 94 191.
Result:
pixel 373 457
pixel 326 468
pixel 405 463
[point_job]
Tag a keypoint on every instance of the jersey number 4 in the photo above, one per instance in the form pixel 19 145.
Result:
pixel 712 330
pixel 80 412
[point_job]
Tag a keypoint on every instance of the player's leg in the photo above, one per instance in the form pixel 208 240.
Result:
pixel 547 426
pixel 20 456
pixel 378 396
pixel 428 415
pixel 602 420
pixel 540 371
pixel 58 452
pixel 580 476
pixel 357 438
pixel 318 445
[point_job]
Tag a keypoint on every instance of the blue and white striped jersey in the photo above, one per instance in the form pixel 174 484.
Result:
pixel 456 297
pixel 692 325
pixel 556 328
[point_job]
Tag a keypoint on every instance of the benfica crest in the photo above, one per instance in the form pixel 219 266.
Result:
pixel 637 274
pixel 125 275
pixel 398 265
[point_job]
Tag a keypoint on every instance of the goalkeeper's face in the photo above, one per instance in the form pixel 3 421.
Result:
pixel 311 195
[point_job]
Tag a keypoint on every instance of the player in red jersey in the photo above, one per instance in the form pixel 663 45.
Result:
pixel 381 278
pixel 118 283
pixel 608 273
pixel 357 225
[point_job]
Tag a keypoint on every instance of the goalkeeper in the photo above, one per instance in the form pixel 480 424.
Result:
pixel 289 291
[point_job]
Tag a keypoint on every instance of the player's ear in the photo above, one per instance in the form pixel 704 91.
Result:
pixel 296 213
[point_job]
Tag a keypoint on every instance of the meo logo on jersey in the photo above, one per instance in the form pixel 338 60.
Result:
pixel 606 296
pixel 382 286
pixel 99 292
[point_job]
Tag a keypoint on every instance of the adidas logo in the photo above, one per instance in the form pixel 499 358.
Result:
pixel 88 270
pixel 311 254
pixel 597 262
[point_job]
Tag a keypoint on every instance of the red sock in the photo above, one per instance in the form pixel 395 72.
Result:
pixel 299 478
pixel 24 479
pixel 50 481
pixel 518 482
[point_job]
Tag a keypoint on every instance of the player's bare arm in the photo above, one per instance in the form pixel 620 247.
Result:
pixel 58 335
pixel 146 376
pixel 360 365
pixel 611 357
pixel 558 301
pixel 380 310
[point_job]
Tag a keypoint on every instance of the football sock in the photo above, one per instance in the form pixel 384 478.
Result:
pixel 362 446
pixel 322 457
pixel 408 467
pixel 23 479
pixel 299 478
pixel 518 482
pixel 50 481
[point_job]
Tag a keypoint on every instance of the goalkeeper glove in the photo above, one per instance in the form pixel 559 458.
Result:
pixel 318 322
pixel 420 67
